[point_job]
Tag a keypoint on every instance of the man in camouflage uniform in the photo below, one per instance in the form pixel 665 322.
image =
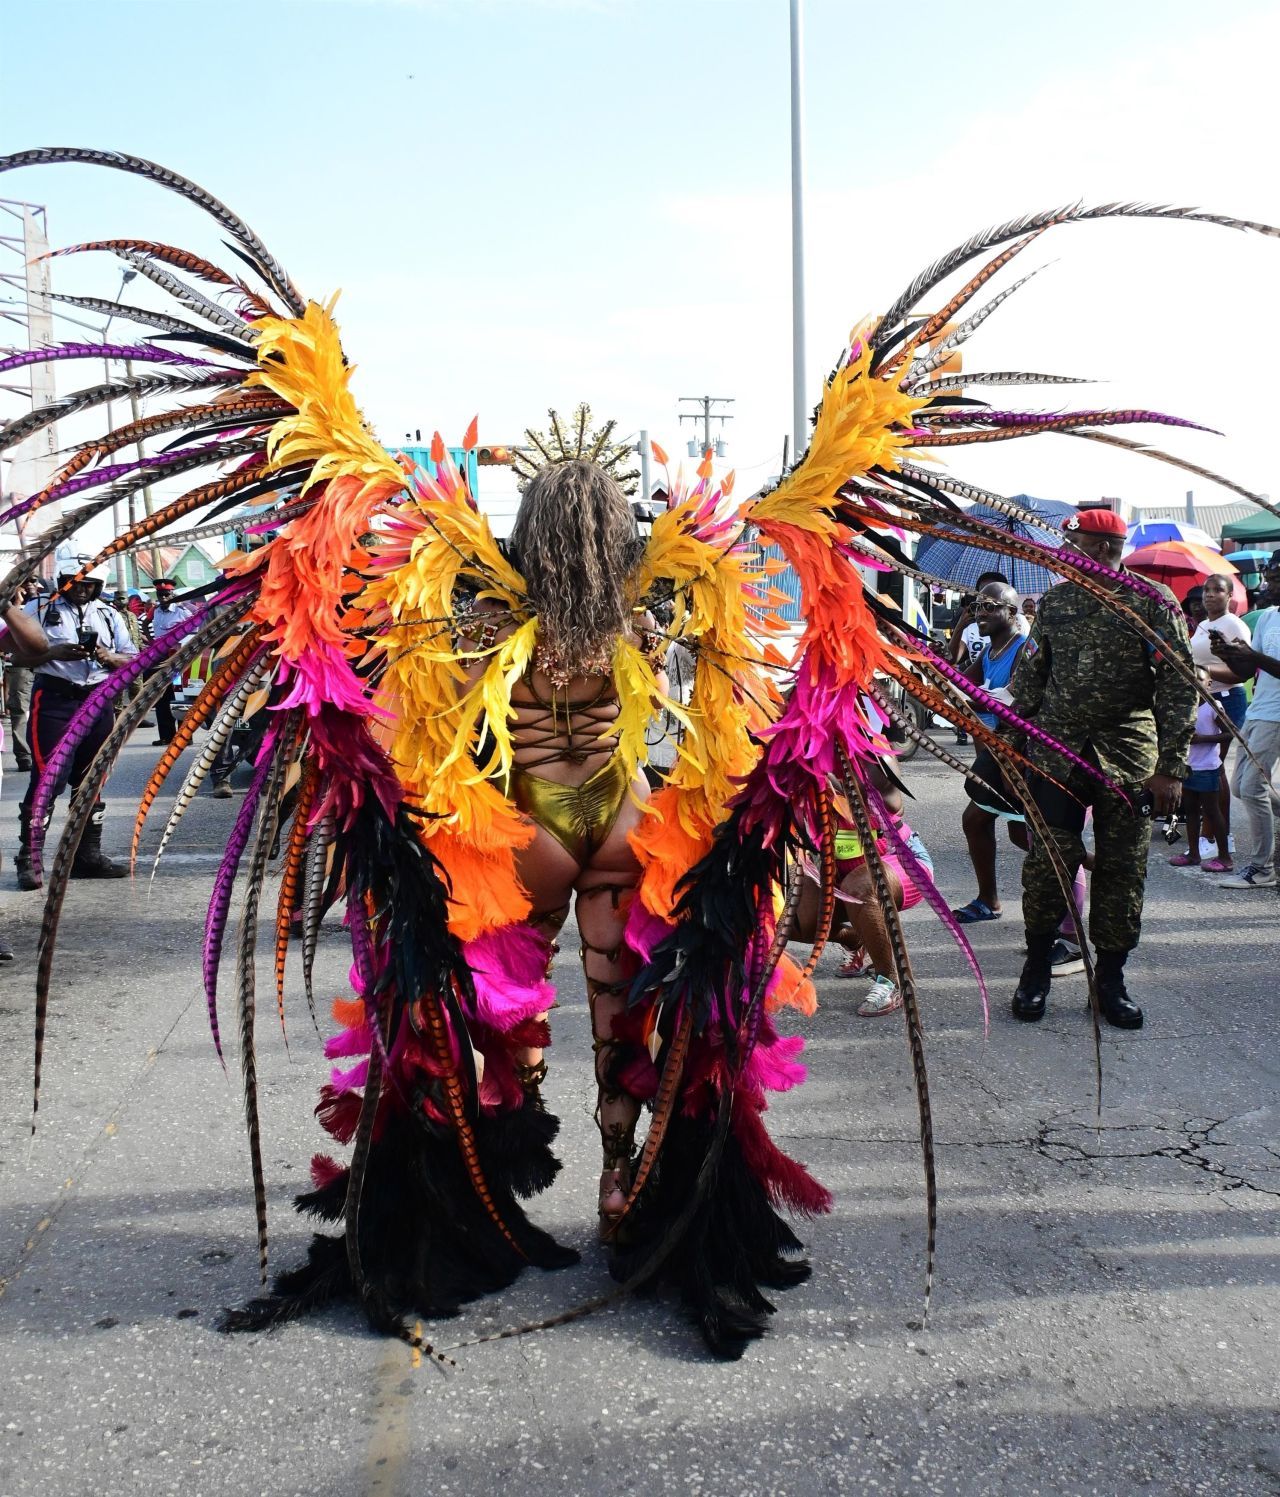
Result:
pixel 1102 690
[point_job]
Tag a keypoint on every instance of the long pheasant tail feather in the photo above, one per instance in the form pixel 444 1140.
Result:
pixel 910 1006
pixel 195 717
pixel 246 975
pixel 827 880
pixel 215 922
pixel 317 863
pixel 152 172
pixel 222 728
pixel 290 878
pixel 81 808
pixel 663 1109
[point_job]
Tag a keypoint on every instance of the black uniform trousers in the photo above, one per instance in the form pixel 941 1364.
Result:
pixel 54 703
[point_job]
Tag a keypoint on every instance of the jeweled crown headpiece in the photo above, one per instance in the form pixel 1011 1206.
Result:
pixel 562 444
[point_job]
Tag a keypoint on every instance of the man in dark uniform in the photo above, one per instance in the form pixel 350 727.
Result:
pixel 1102 690
pixel 86 640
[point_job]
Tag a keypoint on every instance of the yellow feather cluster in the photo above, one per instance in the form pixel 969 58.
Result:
pixel 300 359
pixel 732 692
pixel 863 423
pixel 441 711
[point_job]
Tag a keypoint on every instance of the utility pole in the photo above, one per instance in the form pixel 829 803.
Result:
pixel 706 415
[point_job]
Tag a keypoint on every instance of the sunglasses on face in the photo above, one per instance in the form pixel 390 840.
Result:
pixel 986 607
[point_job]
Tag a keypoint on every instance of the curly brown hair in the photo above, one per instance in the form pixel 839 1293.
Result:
pixel 575 542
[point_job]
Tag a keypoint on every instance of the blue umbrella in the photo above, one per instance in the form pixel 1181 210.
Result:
pixel 1155 532
pixel 960 561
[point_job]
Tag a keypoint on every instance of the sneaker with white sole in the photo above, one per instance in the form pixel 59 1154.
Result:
pixel 1065 960
pixel 1248 878
pixel 884 998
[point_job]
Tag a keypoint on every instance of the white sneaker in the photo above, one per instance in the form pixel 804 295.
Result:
pixel 884 998
pixel 1065 960
pixel 1248 878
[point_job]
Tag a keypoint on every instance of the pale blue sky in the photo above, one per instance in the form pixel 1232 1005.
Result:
pixel 535 203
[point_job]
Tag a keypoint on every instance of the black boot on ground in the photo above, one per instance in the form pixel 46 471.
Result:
pixel 1117 1008
pixel 91 861
pixel 27 878
pixel 1037 974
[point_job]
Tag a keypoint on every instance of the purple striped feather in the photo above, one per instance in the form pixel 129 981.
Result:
pixel 215 923
pixel 1044 418
pixel 921 878
pixel 108 474
pixel 138 353
pixel 94 705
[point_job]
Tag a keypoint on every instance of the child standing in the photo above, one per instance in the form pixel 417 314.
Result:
pixel 1200 792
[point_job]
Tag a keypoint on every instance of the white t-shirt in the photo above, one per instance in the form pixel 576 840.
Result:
pixel 1229 626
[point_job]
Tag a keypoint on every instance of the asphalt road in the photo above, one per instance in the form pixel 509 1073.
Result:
pixel 1104 1320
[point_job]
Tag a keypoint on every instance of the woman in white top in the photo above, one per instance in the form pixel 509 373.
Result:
pixel 1228 692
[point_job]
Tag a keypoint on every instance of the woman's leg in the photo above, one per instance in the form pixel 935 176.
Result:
pixel 1192 803
pixel 549 874
pixel 867 918
pixel 607 967
pixel 1214 826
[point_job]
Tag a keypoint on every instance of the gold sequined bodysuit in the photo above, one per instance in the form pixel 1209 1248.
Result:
pixel 580 817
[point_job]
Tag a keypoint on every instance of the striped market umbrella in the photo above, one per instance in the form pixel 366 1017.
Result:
pixel 1153 532
pixel 960 562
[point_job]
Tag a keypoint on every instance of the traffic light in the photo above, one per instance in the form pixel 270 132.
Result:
pixel 493 457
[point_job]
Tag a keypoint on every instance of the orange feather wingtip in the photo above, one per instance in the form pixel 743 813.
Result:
pixel 471 435
pixel 658 454
pixel 437 448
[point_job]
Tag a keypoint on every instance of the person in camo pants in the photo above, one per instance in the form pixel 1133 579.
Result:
pixel 1122 704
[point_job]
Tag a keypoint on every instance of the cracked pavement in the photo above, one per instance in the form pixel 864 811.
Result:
pixel 1105 1309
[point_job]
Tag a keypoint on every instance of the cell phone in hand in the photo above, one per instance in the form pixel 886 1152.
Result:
pixel 88 641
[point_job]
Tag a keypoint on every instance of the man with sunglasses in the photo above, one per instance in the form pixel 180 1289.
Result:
pixel 1251 783
pixel 1127 707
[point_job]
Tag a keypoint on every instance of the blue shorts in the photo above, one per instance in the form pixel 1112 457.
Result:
pixel 1205 781
pixel 1235 703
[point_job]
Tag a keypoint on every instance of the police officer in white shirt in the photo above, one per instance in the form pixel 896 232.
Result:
pixel 86 641
pixel 166 615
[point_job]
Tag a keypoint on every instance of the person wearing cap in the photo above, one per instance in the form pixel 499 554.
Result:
pixel 21 639
pixel 1251 782
pixel 17 686
pixel 86 640
pixel 166 615
pixel 1099 688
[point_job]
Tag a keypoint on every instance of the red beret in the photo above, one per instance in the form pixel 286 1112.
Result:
pixel 1096 522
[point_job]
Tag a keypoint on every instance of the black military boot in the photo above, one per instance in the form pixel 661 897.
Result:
pixel 91 861
pixel 28 879
pixel 1118 1009
pixel 1037 974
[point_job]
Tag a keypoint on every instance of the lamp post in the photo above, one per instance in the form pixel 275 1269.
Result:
pixel 799 405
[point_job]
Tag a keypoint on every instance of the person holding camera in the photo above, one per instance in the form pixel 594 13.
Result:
pixel 85 640
pixel 1123 705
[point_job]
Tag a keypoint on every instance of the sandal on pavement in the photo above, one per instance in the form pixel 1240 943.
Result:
pixel 1185 860
pixel 1218 865
pixel 884 998
pixel 976 911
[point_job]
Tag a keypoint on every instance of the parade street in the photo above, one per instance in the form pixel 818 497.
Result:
pixel 1105 1312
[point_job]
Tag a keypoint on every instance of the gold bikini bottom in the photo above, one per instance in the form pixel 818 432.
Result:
pixel 579 817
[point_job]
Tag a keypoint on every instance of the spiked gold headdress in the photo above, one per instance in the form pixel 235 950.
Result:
pixel 562 442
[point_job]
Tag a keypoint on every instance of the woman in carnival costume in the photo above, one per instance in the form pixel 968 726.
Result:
pixel 456 741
